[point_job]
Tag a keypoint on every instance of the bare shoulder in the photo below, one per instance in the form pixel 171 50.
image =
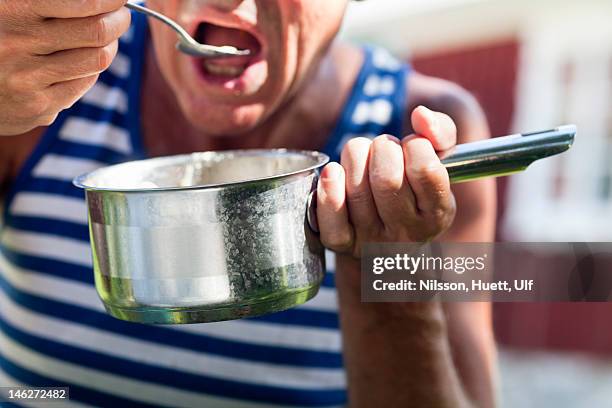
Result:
pixel 447 97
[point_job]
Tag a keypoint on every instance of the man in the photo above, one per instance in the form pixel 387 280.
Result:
pixel 73 97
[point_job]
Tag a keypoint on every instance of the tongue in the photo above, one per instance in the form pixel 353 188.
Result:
pixel 215 35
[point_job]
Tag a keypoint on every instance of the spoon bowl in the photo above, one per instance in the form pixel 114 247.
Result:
pixel 187 44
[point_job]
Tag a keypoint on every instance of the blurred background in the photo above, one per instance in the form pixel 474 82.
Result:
pixel 532 65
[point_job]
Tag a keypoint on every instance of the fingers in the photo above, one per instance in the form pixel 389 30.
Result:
pixel 332 214
pixel 384 191
pixel 71 8
pixel 73 64
pixel 395 201
pixel 42 107
pixel 437 127
pixel 64 94
pixel 89 32
pixel 361 205
pixel 429 181
pixel 51 52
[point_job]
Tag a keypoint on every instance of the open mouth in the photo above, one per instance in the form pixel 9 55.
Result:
pixel 224 69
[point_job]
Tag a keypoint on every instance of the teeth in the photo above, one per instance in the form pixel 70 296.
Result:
pixel 223 70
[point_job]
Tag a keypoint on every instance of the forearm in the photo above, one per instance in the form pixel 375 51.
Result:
pixel 396 355
pixel 469 324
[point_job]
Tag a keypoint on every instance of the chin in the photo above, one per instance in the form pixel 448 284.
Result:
pixel 223 121
pixel 225 96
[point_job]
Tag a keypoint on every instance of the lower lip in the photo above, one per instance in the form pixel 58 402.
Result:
pixel 252 77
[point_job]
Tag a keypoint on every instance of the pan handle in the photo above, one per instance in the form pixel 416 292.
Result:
pixel 505 155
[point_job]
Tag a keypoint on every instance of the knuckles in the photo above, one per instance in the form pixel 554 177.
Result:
pixel 356 146
pixel 106 28
pixel 77 88
pixel 441 217
pixel 101 32
pixel 431 173
pixel 358 196
pixel 384 183
pixel 8 48
pixel 386 177
pixel 36 105
pixel 338 241
pixel 17 83
pixel 104 57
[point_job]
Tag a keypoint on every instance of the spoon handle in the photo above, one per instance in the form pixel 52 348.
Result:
pixel 173 24
pixel 187 44
pixel 505 155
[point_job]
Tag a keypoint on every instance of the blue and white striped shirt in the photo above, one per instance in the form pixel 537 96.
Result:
pixel 53 328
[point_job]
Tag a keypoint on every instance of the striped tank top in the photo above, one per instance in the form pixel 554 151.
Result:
pixel 53 328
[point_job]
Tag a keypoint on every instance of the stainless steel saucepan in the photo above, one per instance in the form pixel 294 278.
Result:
pixel 223 235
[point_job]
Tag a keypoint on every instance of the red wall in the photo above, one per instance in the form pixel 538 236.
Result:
pixel 489 72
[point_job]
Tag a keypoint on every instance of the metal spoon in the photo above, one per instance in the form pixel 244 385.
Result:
pixel 186 42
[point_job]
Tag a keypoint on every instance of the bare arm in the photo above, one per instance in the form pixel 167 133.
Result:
pixel 418 354
pixel 470 329
pixel 470 324
pixel 396 355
